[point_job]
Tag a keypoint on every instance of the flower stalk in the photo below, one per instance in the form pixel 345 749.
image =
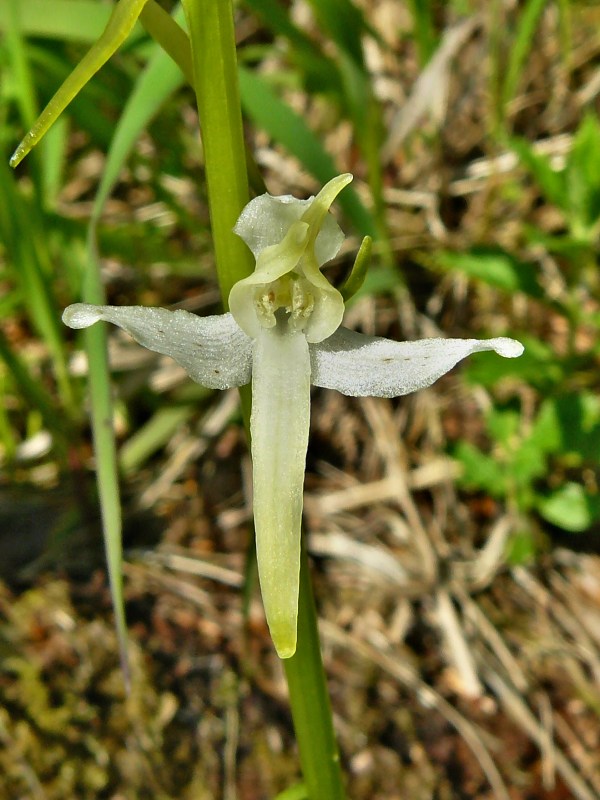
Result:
pixel 210 23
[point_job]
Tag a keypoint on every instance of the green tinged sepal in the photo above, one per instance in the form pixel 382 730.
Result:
pixel 279 427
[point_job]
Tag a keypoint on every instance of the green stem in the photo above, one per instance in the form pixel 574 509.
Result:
pixel 309 699
pixel 210 24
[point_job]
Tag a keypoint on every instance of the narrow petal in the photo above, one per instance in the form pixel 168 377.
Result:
pixel 279 426
pixel 361 366
pixel 214 351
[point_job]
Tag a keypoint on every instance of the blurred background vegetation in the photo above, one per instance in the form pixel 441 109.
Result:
pixel 455 534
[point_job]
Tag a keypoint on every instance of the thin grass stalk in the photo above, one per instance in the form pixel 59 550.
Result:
pixel 309 699
pixel 210 23
pixel 211 29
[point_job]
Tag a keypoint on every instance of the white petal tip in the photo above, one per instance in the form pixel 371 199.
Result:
pixel 509 348
pixel 81 315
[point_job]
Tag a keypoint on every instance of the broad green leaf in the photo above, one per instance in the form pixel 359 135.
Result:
pixel 570 425
pixel 503 425
pixel 571 508
pixel 527 462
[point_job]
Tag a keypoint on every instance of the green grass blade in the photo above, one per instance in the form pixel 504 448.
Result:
pixel 53 161
pixel 267 111
pixel 31 389
pixel 424 31
pixel 521 47
pixel 106 468
pixel 150 437
pixel 119 27
pixel 25 95
pixel 344 23
pixel 320 72
pixel 22 232
pixel 296 792
pixel 158 81
pixel 166 31
pixel 47 169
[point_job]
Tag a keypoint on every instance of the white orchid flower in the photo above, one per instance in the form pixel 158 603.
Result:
pixel 284 333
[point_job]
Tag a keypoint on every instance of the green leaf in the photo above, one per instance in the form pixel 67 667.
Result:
pixel 583 174
pixel 158 81
pixel 150 437
pixel 494 267
pixel 344 23
pixel 521 548
pixel 296 792
pixel 528 462
pixel 503 425
pixel 550 181
pixel 118 28
pixel 23 233
pixel 480 471
pixel 166 31
pixel 424 32
pixel 320 72
pixel 571 508
pixel 522 43
pixel 574 248
pixel 569 424
pixel 69 20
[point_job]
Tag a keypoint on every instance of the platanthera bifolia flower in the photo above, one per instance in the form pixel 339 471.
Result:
pixel 284 332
